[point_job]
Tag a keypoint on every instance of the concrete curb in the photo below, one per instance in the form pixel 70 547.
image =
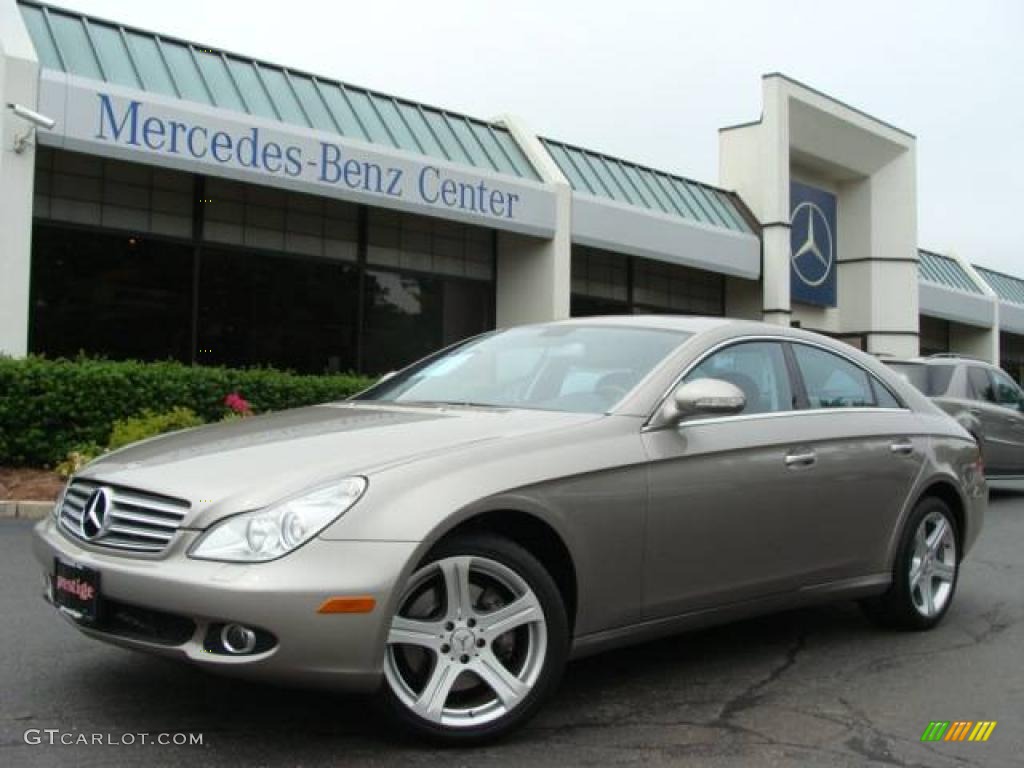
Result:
pixel 25 510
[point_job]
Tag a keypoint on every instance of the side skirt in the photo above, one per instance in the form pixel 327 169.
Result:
pixel 845 589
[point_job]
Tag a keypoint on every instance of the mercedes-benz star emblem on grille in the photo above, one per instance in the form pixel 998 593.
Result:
pixel 95 514
pixel 812 261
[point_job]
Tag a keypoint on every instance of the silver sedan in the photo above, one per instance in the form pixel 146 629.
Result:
pixel 453 535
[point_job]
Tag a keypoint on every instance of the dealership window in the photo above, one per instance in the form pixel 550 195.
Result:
pixel 263 309
pixel 97 192
pixel 662 287
pixel 1011 355
pixel 277 278
pixel 934 335
pixel 274 220
pixel 409 316
pixel 111 294
pixel 435 246
pixel 611 283
pixel 429 283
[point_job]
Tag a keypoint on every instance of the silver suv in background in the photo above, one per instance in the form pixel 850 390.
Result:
pixel 982 398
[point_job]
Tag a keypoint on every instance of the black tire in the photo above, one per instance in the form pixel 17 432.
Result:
pixel 514 557
pixel 896 608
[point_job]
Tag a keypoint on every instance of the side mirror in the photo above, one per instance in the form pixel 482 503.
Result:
pixel 703 397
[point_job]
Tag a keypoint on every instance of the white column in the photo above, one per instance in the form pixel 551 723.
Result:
pixel 534 274
pixel 892 302
pixel 775 202
pixel 988 342
pixel 19 82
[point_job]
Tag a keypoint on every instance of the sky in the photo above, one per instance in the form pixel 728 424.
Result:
pixel 653 81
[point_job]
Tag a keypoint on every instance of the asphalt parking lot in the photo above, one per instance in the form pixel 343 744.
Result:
pixel 810 687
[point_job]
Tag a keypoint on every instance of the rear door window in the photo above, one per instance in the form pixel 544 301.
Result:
pixel 980 384
pixel 832 381
pixel 1007 391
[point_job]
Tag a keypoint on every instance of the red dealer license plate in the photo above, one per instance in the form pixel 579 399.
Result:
pixel 76 589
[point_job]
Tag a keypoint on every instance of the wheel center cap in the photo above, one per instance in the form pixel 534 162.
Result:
pixel 463 640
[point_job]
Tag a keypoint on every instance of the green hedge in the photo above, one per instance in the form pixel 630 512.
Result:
pixel 49 407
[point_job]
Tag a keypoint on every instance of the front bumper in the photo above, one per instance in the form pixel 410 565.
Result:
pixel 342 651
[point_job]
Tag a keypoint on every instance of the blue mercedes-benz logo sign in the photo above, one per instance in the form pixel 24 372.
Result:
pixel 96 514
pixel 812 258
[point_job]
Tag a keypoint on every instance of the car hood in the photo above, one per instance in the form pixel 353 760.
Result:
pixel 245 464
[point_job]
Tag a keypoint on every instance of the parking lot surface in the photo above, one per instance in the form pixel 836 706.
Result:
pixel 811 687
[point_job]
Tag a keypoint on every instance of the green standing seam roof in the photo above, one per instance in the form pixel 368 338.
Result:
pixel 1007 287
pixel 624 182
pixel 113 53
pixel 945 271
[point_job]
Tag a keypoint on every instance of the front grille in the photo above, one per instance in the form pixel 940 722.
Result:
pixel 138 521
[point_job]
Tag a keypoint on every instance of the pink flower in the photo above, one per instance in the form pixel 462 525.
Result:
pixel 238 404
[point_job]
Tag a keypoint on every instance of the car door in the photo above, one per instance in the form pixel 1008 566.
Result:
pixel 869 456
pixel 779 497
pixel 1009 429
pixel 991 418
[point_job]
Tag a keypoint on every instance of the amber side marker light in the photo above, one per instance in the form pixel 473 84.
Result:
pixel 347 605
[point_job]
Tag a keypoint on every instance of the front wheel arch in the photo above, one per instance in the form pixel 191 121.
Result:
pixel 534 535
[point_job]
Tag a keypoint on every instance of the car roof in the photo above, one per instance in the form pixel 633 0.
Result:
pixel 941 360
pixel 686 323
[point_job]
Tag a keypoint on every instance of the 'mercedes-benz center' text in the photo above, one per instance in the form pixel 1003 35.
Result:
pixel 126 123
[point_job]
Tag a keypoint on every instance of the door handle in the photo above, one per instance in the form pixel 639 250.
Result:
pixel 801 458
pixel 902 447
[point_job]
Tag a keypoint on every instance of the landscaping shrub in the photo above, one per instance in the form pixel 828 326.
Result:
pixel 49 408
pixel 151 424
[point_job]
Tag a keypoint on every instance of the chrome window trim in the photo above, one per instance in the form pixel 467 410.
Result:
pixel 780 414
pixel 647 427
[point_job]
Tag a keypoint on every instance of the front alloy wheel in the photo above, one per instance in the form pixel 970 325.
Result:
pixel 478 641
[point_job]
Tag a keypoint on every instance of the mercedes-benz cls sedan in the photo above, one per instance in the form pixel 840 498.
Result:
pixel 452 536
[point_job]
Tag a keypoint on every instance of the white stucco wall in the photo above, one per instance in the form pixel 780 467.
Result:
pixel 19 73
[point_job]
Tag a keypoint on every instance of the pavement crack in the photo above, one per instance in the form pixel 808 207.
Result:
pixel 751 695
pixel 995 624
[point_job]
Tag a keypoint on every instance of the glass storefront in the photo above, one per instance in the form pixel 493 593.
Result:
pixel 136 262
pixel 606 283
pixel 1011 355
pixel 934 336
pixel 111 294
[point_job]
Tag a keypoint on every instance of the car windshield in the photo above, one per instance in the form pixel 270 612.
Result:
pixel 578 368
pixel 932 380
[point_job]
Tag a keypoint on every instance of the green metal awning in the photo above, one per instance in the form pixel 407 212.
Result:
pixel 945 271
pixel 657 191
pixel 113 53
pixel 1007 287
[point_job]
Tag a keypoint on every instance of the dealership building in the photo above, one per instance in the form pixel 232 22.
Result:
pixel 161 199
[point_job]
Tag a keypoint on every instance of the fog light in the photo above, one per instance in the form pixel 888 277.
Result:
pixel 237 639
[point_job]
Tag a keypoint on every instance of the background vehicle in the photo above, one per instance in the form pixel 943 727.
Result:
pixel 461 529
pixel 982 398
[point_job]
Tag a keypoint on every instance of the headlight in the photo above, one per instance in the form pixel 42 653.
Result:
pixel 269 533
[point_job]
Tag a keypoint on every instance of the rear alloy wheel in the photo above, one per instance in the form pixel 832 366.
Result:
pixel 925 573
pixel 479 639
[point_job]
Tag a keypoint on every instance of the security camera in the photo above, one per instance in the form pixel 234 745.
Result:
pixel 38 120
